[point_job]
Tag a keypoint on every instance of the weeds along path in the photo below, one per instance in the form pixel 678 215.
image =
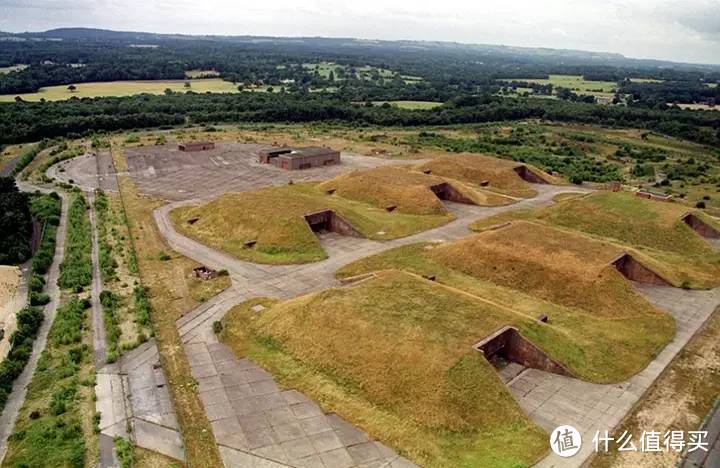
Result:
pixel 17 396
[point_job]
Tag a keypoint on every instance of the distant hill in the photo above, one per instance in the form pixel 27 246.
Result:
pixel 470 51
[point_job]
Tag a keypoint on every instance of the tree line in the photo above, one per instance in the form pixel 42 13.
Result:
pixel 22 122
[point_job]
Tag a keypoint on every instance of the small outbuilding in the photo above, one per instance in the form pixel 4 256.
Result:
pixel 196 146
pixel 205 273
pixel 293 159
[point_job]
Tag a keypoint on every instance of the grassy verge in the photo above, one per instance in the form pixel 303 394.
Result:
pixel 678 400
pixel 167 291
pixel 55 426
pixel 132 456
pixel 76 268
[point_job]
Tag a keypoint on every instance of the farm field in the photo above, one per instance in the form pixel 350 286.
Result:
pixel 13 68
pixel 410 104
pixel 699 107
pixel 124 88
pixel 576 83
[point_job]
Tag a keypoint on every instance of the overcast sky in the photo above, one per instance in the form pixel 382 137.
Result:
pixel 687 31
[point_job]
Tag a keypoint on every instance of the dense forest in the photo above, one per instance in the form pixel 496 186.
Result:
pixel 15 223
pixel 21 122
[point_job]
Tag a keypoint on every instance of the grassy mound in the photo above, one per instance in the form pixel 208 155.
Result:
pixel 408 190
pixel 387 355
pixel 393 354
pixel 606 331
pixel 476 169
pixel 562 267
pixel 650 227
pixel 273 217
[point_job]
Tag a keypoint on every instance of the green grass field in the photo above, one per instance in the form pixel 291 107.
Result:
pixel 410 104
pixel 124 88
pixel 576 83
pixel 13 68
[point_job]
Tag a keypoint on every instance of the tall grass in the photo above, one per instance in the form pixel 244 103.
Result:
pixel 76 269
pixel 52 434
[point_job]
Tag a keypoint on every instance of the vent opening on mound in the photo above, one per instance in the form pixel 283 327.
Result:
pixel 700 226
pixel 507 345
pixel 528 176
pixel 329 221
pixel 636 271
pixel 445 191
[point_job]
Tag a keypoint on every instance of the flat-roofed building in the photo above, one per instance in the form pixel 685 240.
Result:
pixel 196 146
pixel 299 158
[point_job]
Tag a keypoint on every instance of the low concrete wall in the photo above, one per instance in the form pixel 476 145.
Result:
pixel 510 344
pixel 700 226
pixel 636 271
pixel 328 220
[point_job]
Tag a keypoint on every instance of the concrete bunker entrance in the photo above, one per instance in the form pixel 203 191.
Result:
pixel 636 271
pixel 701 227
pixel 507 345
pixel 328 221
pixel 528 176
pixel 445 191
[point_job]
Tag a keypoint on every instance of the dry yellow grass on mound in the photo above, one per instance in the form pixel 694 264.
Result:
pixel 384 186
pixel 475 169
pixel 651 227
pixel 407 189
pixel 273 218
pixel 555 265
pixel 394 355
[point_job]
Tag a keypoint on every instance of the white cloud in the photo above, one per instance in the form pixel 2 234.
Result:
pixel 687 30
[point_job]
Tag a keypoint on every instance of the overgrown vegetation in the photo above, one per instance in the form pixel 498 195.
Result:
pixel 76 268
pixel 50 428
pixel 45 209
pixel 108 264
pixel 110 303
pixel 28 320
pixel 27 156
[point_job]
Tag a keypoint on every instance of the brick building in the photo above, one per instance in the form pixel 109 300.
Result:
pixel 299 158
pixel 196 146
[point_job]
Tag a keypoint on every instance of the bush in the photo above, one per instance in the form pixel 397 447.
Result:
pixel 39 299
pixel 217 326
pixel 124 452
pixel 700 204
pixel 163 256
pixel 142 305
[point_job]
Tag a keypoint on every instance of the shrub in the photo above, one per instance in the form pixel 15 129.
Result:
pixel 217 326
pixel 39 299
